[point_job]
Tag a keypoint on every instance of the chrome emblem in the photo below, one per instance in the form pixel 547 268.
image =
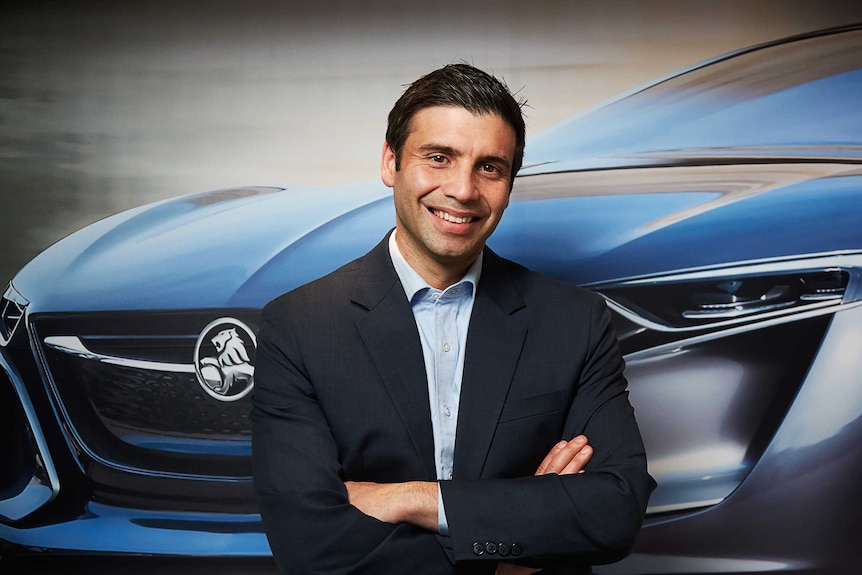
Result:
pixel 224 359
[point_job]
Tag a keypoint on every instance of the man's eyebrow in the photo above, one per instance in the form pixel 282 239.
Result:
pixel 439 148
pixel 492 159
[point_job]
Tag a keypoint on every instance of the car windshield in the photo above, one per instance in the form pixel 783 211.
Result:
pixel 792 98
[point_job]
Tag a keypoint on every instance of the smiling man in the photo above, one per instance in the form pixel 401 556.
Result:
pixel 452 177
pixel 426 408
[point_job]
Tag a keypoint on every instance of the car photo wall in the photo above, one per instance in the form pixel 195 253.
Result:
pixel 169 167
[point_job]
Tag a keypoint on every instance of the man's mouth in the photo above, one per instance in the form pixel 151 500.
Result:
pixel 454 219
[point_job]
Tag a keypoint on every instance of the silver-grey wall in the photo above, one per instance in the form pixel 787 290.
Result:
pixel 105 105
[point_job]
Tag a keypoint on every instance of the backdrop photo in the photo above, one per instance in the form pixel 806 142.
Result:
pixel 696 165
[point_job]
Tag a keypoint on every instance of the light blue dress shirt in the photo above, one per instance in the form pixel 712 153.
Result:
pixel 442 318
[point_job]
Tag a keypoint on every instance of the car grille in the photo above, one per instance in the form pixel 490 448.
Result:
pixel 127 386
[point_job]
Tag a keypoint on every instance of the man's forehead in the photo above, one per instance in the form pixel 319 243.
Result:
pixel 430 110
pixel 436 118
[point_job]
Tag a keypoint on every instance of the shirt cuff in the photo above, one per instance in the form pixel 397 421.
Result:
pixel 442 523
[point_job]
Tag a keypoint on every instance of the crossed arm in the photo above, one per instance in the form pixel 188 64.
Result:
pixel 415 502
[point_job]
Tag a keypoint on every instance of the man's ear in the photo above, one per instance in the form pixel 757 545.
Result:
pixel 387 165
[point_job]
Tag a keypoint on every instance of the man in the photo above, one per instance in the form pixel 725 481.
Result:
pixel 426 408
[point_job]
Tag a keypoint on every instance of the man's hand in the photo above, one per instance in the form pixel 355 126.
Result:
pixel 413 502
pixel 565 457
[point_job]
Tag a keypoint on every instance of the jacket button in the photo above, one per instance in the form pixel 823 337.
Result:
pixel 502 549
pixel 491 547
pixel 516 549
pixel 478 548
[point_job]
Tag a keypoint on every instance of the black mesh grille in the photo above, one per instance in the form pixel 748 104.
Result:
pixel 140 416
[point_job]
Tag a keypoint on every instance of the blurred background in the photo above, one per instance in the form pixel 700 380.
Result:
pixel 107 105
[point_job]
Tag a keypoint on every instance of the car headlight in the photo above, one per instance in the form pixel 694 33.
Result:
pixel 12 307
pixel 712 299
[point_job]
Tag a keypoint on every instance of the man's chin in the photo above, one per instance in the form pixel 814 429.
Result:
pixel 458 256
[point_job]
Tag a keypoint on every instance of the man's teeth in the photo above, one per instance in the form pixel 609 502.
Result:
pixel 451 218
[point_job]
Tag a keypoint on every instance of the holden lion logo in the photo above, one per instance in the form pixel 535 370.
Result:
pixel 224 359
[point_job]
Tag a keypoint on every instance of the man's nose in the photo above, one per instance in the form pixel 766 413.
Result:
pixel 462 185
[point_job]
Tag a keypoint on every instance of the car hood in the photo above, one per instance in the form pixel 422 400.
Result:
pixel 205 250
pixel 797 100
pixel 601 226
pixel 242 247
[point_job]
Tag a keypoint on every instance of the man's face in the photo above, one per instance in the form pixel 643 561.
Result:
pixel 451 189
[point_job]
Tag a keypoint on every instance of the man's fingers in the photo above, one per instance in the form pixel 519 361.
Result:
pixel 566 457
pixel 579 461
pixel 545 465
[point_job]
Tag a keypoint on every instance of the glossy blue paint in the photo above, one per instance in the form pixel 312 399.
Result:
pixel 797 99
pixel 110 529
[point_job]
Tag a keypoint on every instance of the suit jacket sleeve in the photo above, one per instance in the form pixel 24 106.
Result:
pixel 571 520
pixel 303 502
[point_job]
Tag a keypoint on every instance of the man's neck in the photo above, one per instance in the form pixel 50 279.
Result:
pixel 437 275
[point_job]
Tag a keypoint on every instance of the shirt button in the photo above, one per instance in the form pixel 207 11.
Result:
pixel 447 411
pixel 451 475
pixel 445 347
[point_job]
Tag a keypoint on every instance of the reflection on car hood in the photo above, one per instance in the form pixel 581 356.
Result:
pixel 793 100
pixel 605 225
pixel 196 251
pixel 241 248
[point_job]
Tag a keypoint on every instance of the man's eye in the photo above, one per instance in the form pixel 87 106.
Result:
pixel 438 159
pixel 490 168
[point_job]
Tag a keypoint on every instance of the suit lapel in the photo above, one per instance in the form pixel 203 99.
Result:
pixel 392 339
pixel 494 343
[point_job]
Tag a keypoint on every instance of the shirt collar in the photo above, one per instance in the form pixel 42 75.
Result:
pixel 413 282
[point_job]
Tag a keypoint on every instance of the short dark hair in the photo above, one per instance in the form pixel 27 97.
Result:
pixel 462 86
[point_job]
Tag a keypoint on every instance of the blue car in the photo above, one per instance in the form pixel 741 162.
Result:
pixel 718 211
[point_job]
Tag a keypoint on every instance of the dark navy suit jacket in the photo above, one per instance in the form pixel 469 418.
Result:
pixel 341 394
